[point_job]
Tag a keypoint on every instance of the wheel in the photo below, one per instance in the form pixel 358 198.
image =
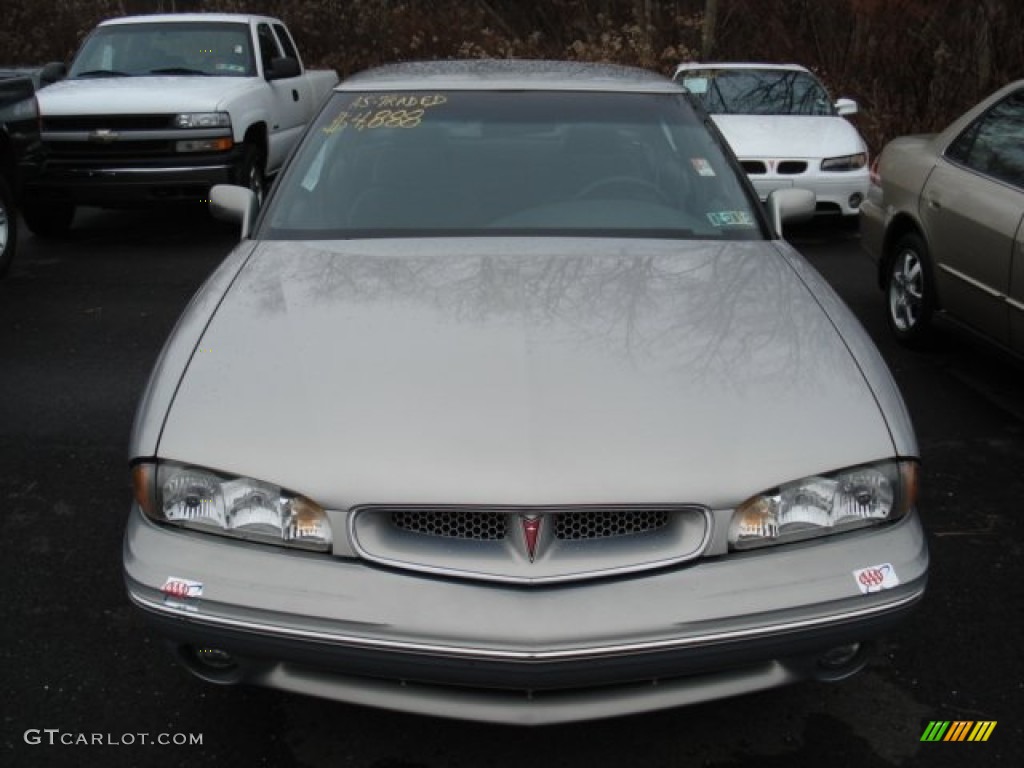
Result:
pixel 8 228
pixel 48 219
pixel 910 291
pixel 630 185
pixel 250 172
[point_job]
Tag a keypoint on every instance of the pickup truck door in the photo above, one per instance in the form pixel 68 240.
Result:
pixel 291 105
pixel 972 206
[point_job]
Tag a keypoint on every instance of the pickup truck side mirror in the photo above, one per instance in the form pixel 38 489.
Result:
pixel 283 68
pixel 51 73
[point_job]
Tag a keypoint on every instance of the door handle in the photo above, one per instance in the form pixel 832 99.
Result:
pixel 295 95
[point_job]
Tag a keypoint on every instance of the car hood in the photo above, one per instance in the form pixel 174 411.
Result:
pixel 518 371
pixel 784 136
pixel 138 95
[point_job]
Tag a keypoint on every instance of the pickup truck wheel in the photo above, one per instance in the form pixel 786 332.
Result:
pixel 48 219
pixel 8 228
pixel 250 173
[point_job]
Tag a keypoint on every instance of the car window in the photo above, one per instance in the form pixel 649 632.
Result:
pixel 994 143
pixel 199 48
pixel 757 91
pixel 493 163
pixel 286 41
pixel 268 46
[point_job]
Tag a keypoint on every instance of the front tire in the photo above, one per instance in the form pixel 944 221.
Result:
pixel 910 291
pixel 251 173
pixel 8 227
pixel 49 220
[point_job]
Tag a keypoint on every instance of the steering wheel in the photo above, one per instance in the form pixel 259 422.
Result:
pixel 630 185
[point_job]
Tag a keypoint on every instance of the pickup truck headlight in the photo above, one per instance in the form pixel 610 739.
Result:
pixel 202 120
pixel 240 507
pixel 845 163
pixel 826 504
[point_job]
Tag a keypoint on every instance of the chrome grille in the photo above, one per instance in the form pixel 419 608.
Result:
pixel 602 524
pixel 453 524
pixel 529 544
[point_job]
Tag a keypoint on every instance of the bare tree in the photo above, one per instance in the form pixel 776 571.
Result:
pixel 708 35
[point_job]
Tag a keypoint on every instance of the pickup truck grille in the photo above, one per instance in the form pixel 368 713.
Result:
pixel 79 150
pixel 108 122
pixel 88 141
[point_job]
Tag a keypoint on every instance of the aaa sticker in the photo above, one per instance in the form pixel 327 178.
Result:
pixel 875 578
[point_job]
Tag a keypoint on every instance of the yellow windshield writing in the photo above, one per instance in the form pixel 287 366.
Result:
pixel 385 110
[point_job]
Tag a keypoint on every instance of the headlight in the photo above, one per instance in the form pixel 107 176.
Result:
pixel 845 163
pixel 829 504
pixel 241 507
pixel 202 120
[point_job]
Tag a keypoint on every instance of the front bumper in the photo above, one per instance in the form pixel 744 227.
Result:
pixel 341 629
pixel 129 184
pixel 835 193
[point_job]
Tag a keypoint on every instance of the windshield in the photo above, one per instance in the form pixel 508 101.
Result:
pixel 757 91
pixel 178 48
pixel 468 163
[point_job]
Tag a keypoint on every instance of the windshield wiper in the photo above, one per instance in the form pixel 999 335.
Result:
pixel 176 71
pixel 102 73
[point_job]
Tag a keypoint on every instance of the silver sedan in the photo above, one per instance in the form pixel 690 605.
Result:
pixel 512 405
pixel 944 220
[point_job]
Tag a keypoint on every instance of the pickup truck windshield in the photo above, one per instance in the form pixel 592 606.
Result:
pixel 491 163
pixel 221 49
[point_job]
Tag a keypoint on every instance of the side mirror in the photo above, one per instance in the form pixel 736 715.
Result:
pixel 283 69
pixel 789 206
pixel 51 73
pixel 846 107
pixel 235 205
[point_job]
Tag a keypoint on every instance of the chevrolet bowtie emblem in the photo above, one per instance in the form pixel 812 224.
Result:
pixel 531 529
pixel 103 136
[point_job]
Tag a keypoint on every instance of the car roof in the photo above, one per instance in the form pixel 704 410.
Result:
pixel 509 74
pixel 163 18
pixel 738 65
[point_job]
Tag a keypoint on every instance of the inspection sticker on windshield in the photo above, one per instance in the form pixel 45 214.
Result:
pixel 876 578
pixel 730 219
pixel 702 166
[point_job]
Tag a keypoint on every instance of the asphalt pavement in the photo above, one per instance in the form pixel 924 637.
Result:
pixel 84 682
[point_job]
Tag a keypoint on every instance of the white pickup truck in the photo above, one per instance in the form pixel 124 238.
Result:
pixel 159 108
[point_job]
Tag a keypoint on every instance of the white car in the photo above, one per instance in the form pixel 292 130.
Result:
pixel 785 130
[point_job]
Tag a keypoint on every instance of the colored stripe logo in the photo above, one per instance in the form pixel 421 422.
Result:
pixel 958 730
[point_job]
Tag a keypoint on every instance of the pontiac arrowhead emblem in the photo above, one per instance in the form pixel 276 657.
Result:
pixel 531 529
